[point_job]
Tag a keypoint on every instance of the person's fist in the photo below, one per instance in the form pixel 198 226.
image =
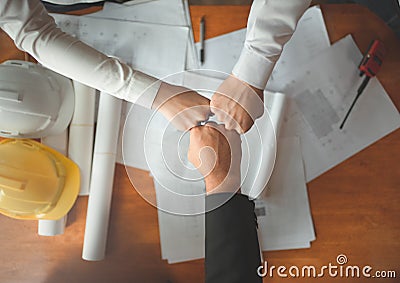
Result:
pixel 183 107
pixel 216 153
pixel 237 104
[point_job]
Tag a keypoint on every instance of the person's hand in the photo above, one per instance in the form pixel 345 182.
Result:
pixel 183 107
pixel 237 104
pixel 216 153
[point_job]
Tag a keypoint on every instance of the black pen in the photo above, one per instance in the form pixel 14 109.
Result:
pixel 202 35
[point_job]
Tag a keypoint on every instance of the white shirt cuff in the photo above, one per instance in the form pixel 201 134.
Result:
pixel 143 89
pixel 253 68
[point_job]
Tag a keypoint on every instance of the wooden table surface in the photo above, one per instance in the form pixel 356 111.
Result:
pixel 355 206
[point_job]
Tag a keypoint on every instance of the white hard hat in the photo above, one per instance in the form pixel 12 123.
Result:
pixel 34 101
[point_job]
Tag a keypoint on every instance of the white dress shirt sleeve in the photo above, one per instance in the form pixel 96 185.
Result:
pixel 34 31
pixel 270 25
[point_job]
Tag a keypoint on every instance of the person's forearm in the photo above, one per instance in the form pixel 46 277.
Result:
pixel 270 25
pixel 232 250
pixel 35 32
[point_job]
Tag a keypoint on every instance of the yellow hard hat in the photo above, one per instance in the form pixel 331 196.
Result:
pixel 36 182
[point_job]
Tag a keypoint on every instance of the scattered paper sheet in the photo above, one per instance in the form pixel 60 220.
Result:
pixel 222 52
pixel 135 2
pixel 283 212
pixel 181 236
pixel 167 12
pixel 309 38
pixel 321 93
pixel 149 46
pixel 177 192
pixel 132 42
pixel 164 12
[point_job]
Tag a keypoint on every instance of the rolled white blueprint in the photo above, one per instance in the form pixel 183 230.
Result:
pixel 81 132
pixel 277 110
pixel 54 227
pixel 276 105
pixel 262 156
pixel 102 178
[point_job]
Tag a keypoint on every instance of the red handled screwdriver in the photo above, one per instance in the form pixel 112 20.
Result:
pixel 369 66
